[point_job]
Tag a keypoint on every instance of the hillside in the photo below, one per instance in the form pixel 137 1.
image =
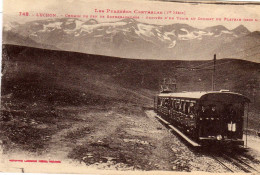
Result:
pixel 108 76
pixel 37 83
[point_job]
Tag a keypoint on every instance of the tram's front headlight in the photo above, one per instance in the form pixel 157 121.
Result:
pixel 219 137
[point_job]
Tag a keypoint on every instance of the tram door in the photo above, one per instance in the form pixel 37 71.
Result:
pixel 233 120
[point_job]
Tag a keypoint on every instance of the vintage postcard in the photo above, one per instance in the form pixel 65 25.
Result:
pixel 127 86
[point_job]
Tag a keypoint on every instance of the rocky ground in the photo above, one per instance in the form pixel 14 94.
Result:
pixel 118 138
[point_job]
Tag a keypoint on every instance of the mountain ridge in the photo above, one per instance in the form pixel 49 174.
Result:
pixel 131 38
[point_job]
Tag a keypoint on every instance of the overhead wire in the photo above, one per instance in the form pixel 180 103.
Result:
pixel 200 67
pixel 195 68
pixel 204 68
pixel 246 49
pixel 203 64
pixel 216 65
pixel 251 55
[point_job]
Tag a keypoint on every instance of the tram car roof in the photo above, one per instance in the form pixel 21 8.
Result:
pixel 224 96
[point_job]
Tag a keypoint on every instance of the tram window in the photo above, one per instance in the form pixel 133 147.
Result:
pixel 187 110
pixel 173 104
pixel 236 110
pixel 177 106
pixel 180 106
pixel 191 108
pixel 183 107
pixel 196 108
pixel 167 102
pixel 239 108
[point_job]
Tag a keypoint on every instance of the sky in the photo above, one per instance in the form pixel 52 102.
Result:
pixel 87 7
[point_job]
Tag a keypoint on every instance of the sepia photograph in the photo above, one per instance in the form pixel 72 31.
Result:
pixel 129 87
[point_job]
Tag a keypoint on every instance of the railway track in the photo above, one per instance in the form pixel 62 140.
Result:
pixel 234 164
pixel 230 162
pixel 240 163
pixel 223 164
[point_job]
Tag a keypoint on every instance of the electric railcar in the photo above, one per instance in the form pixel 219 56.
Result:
pixel 214 117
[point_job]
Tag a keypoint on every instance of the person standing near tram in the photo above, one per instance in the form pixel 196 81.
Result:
pixel 202 122
pixel 213 121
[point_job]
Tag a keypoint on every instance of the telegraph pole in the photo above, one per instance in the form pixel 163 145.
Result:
pixel 213 73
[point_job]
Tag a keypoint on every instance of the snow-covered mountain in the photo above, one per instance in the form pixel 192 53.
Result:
pixel 128 38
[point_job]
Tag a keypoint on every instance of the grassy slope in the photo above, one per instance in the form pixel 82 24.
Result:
pixel 36 81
